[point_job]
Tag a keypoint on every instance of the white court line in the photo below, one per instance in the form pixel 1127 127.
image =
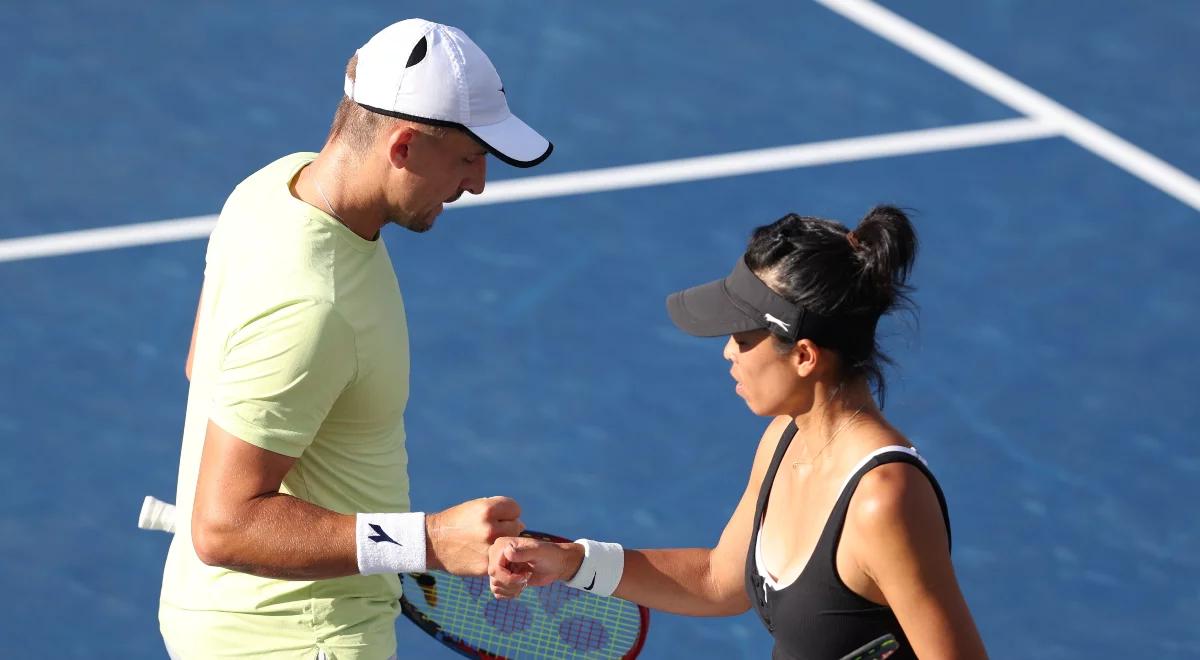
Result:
pixel 575 183
pixel 1019 96
pixel 106 238
pixel 767 160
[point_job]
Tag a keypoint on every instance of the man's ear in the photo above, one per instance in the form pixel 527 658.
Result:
pixel 399 140
pixel 807 357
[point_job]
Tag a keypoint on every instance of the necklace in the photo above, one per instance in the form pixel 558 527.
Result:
pixel 327 204
pixel 833 435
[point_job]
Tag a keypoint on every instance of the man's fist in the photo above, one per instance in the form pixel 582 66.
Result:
pixel 457 539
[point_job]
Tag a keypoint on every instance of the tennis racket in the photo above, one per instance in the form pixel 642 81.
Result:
pixel 878 649
pixel 554 621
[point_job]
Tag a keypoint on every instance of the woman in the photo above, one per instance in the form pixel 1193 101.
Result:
pixel 842 536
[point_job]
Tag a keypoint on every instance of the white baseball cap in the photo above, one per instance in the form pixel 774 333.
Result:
pixel 434 74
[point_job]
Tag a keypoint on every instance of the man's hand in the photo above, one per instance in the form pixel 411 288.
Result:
pixel 516 563
pixel 458 538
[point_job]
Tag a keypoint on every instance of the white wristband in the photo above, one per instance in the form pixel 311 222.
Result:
pixel 601 569
pixel 390 542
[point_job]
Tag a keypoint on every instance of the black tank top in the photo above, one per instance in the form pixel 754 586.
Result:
pixel 818 617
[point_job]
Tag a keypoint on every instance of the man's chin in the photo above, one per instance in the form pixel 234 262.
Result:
pixel 417 225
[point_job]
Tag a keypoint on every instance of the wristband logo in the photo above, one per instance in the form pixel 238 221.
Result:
pixel 592 584
pixel 381 536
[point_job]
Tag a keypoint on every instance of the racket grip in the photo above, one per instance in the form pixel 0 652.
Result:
pixel 157 514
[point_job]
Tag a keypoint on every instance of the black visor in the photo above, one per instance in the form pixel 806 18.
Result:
pixel 743 302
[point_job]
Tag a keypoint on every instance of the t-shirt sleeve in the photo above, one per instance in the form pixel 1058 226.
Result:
pixel 281 373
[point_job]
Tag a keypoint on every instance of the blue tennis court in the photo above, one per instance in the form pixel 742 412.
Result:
pixel 1049 378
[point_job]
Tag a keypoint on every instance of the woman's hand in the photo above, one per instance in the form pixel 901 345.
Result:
pixel 518 562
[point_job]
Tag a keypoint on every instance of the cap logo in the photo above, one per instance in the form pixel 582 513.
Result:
pixel 418 52
pixel 772 319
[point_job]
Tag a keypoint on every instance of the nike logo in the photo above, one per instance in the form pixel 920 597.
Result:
pixel 381 536
pixel 593 583
pixel 772 319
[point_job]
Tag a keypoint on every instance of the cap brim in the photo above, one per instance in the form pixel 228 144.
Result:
pixel 709 311
pixel 513 142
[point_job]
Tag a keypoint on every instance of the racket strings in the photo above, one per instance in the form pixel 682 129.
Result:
pixel 545 622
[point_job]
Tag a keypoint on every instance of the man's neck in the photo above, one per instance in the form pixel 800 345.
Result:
pixel 331 184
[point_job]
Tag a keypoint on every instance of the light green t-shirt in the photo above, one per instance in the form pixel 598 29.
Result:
pixel 301 349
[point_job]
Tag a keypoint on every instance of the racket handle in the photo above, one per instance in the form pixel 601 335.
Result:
pixel 157 514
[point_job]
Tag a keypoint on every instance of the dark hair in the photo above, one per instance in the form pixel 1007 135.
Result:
pixel 855 275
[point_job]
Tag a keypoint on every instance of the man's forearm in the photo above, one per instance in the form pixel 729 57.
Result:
pixel 278 536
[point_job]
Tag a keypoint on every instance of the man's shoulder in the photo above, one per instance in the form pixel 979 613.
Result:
pixel 263 235
pixel 280 170
pixel 266 188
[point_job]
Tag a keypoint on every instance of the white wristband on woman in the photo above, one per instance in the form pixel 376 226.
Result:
pixel 601 569
pixel 390 542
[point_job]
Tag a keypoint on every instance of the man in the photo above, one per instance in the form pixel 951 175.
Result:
pixel 293 471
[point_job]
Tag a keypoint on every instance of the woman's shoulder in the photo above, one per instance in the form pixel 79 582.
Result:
pixel 769 442
pixel 773 434
pixel 894 496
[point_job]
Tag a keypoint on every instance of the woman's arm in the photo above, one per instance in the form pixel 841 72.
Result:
pixel 901 544
pixel 690 581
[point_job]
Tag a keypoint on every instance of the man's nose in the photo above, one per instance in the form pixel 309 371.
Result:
pixel 475 182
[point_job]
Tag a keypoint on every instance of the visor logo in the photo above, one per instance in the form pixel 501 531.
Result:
pixel 772 319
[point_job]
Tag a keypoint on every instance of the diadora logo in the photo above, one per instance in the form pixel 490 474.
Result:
pixel 381 536
pixel 772 319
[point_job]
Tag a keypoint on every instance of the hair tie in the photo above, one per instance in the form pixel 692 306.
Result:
pixel 854 244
